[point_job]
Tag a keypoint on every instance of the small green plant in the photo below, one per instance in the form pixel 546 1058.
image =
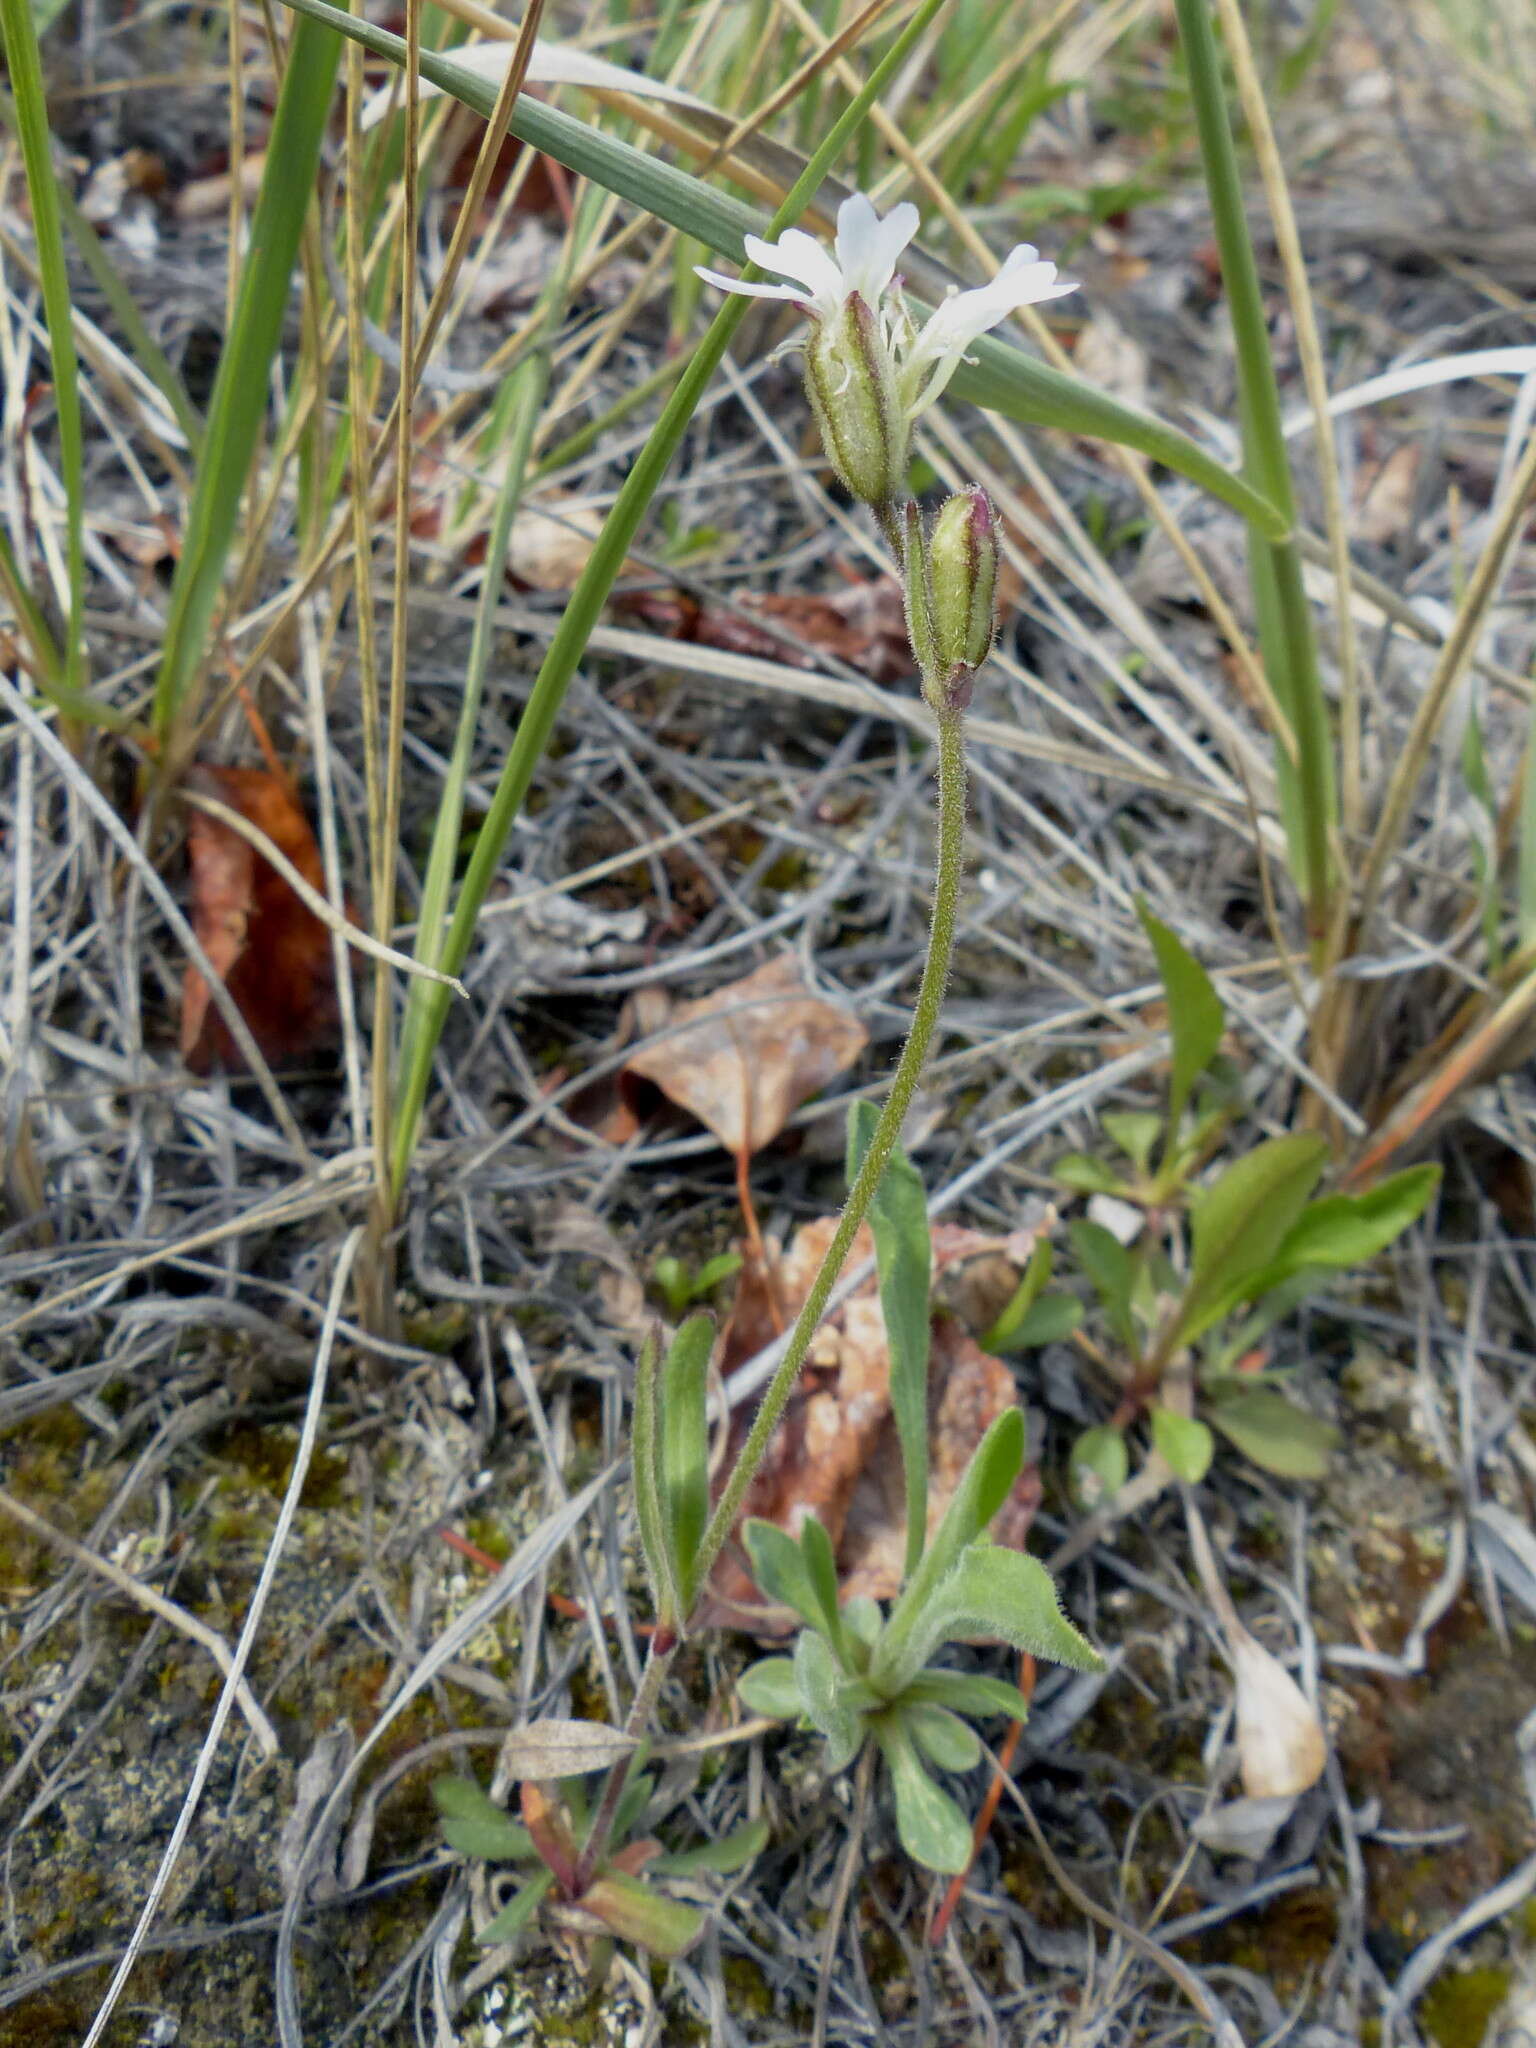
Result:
pixel 621 1897
pixel 679 1288
pixel 860 1675
pixel 1217 1264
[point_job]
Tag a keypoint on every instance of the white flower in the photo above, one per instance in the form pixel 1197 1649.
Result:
pixel 951 328
pixel 867 248
pixel 867 251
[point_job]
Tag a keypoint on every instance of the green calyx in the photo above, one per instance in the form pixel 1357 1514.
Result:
pixel 851 383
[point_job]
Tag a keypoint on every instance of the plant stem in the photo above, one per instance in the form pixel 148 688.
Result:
pixel 909 1067
pixel 925 1016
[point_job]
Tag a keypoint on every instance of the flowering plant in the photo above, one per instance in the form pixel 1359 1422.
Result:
pixel 870 369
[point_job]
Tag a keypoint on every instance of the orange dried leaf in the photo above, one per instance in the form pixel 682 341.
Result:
pixel 744 1059
pixel 864 625
pixel 836 1453
pixel 272 952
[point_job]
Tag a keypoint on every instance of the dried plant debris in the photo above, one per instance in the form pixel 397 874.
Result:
pixel 273 952
pixel 743 1059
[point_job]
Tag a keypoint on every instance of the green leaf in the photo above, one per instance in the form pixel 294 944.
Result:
pixel 713 1271
pixel 1184 1442
pixel 770 1687
pixel 1112 1273
pixel 822 1686
pixel 942 1736
pixel 1086 1175
pixel 732 1852
pixel 476 1826
pixel 990 1592
pixel 1274 1433
pixel 1053 1317
pixel 967 1693
pixel 238 406
pixel 1099 1464
pixel 1239 1223
pixel 645 1471
pixel 821 1571
pixel 518 1911
pixel 19 28
pixel 780 1569
pixel 984 1485
pixel 672 1284
pixel 933 1830
pixel 1003 1334
pixel 627 1905
pixel 1136 1132
pixel 1195 1018
pixel 1346 1230
pixel 994 374
pixel 898 1219
pixel 684 1451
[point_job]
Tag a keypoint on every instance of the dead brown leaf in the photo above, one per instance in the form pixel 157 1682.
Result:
pixel 836 1454
pixel 864 625
pixel 744 1059
pixel 272 951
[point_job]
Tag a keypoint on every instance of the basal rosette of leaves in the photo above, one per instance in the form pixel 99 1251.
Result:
pixel 860 1674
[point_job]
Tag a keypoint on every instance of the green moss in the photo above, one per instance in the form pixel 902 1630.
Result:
pixel 747 1989
pixel 263 1457
pixel 1457 2007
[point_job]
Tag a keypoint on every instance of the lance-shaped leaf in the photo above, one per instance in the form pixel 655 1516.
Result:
pixel 1240 1222
pixel 627 1905
pixel 645 1467
pixel 476 1826
pixel 995 375
pixel 985 1485
pixel 1346 1230
pixel 1003 1333
pixel 967 1693
pixel 990 1592
pixel 683 1445
pixel 1274 1432
pixel 732 1852
pixel 822 1689
pixel 898 1219
pixel 1195 1019
pixel 781 1569
pixel 554 1840
pixel 1112 1272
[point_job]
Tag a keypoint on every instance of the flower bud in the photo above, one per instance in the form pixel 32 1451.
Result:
pixel 851 382
pixel 962 571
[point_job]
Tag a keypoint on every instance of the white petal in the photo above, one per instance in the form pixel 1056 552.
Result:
pixel 748 291
pixel 800 256
pixel 956 324
pixel 867 246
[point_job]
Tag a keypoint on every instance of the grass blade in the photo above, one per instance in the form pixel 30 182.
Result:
pixel 18 32
pixel 239 402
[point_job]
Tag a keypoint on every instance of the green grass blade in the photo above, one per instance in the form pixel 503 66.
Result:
pixel 1002 378
pixel 1283 614
pixel 18 31
pixel 239 403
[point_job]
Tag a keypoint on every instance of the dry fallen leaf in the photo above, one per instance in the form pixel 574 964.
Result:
pixel 836 1454
pixel 864 625
pixel 272 951
pixel 744 1059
